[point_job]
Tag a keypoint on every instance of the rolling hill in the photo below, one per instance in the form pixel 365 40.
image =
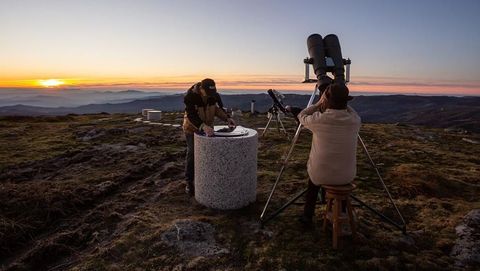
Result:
pixel 433 111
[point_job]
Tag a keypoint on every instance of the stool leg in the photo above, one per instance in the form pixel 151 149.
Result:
pixel 337 205
pixel 325 216
pixel 351 218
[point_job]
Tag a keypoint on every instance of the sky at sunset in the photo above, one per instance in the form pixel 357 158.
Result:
pixel 426 47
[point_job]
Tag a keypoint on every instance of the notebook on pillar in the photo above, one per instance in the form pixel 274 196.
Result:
pixel 225 131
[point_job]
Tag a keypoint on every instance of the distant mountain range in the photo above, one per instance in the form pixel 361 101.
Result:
pixel 434 111
pixel 69 97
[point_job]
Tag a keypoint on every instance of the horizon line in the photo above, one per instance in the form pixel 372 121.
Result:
pixel 255 83
pixel 236 91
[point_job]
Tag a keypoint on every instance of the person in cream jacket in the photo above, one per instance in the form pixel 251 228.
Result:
pixel 335 127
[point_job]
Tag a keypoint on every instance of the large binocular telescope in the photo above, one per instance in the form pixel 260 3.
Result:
pixel 319 49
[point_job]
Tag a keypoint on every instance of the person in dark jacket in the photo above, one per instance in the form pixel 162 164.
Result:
pixel 202 105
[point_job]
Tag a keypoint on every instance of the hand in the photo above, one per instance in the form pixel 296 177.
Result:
pixel 231 123
pixel 208 130
pixel 322 103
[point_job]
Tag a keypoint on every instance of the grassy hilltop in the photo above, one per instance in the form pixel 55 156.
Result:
pixel 97 192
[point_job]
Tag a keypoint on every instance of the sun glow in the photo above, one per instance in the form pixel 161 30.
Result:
pixel 51 83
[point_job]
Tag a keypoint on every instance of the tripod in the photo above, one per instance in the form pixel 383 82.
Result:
pixel 274 113
pixel 264 219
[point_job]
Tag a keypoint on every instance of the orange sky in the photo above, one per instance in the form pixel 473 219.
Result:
pixel 254 82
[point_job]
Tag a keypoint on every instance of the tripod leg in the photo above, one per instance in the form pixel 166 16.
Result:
pixel 277 120
pixel 403 227
pixel 266 126
pixel 379 214
pixel 294 141
pixel 290 202
pixel 283 127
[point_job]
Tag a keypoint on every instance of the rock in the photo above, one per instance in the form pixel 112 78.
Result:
pixel 255 227
pixel 117 131
pixel 80 157
pixel 405 242
pixel 420 138
pixel 470 140
pixel 196 263
pixel 193 238
pixel 190 231
pixel 118 148
pixel 467 246
pixel 139 130
pixel 417 233
pixel 131 148
pixel 91 134
pixel 455 130
pixel 267 234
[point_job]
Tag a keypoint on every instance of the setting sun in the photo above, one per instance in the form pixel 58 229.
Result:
pixel 51 83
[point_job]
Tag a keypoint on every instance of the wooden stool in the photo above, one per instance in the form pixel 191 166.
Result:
pixel 335 194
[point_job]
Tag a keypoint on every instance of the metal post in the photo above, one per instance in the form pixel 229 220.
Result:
pixel 307 72
pixel 347 71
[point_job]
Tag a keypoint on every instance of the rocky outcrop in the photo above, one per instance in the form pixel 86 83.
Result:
pixel 467 247
pixel 193 238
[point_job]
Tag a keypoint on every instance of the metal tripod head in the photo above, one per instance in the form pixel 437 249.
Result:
pixel 274 109
pixel 309 61
pixel 274 112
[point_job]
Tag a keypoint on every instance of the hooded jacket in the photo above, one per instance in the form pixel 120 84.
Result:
pixel 201 110
pixel 332 157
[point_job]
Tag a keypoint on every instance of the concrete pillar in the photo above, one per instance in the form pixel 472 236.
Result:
pixel 226 170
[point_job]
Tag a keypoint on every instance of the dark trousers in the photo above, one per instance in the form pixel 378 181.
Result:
pixel 189 162
pixel 311 199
